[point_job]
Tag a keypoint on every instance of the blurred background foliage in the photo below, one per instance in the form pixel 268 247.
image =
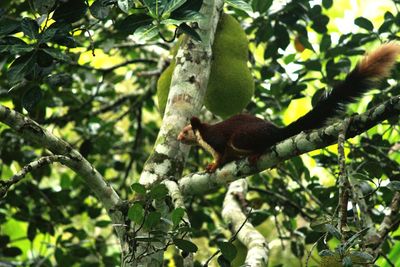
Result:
pixel 75 67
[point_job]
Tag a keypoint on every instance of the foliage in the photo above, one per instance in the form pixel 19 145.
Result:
pixel 74 67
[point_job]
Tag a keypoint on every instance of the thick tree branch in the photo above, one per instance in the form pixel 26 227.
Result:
pixel 32 131
pixel 177 200
pixel 187 90
pixel 257 248
pixel 185 98
pixel 200 183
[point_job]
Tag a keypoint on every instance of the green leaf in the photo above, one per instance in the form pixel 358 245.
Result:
pixel 304 41
pixel 190 17
pixel 59 33
pixel 125 5
pixel 394 186
pixel 282 35
pixel 189 31
pixel 325 43
pixel 48 34
pixel 44 60
pixel 138 188
pixel 15 48
pixel 386 26
pixel 99 9
pixel 153 219
pixel 187 10
pixel 240 4
pixel 289 58
pixel 327 3
pixel 70 11
pixel 11 252
pixel 326 253
pixel 185 245
pixel 136 213
pixel 22 66
pixel 9 26
pixel 154 7
pixel 354 238
pixel 4 240
pixel 171 6
pixel 31 231
pixel 261 5
pixel 57 54
pixel 31 98
pixel 319 223
pixel 333 231
pixel 59 79
pixel 319 23
pixel 30 28
pixel 297 249
pixel 177 215
pixel 65 181
pixel 44 6
pixel 158 192
pixel 347 262
pixel 145 33
pixel 360 255
pixel 228 250
pixel 222 262
pixel 364 23
pixel 132 22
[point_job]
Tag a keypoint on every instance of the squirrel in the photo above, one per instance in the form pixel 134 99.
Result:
pixel 246 135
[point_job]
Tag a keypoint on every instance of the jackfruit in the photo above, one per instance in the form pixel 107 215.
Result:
pixel 231 84
pixel 163 84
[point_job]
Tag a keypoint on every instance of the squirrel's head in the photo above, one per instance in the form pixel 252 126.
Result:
pixel 188 136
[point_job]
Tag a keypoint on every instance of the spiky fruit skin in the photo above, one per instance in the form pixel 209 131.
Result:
pixel 231 84
pixel 163 85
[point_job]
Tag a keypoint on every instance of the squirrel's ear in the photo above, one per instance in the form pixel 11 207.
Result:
pixel 195 122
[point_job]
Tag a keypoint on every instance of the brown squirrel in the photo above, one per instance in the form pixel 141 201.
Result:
pixel 246 135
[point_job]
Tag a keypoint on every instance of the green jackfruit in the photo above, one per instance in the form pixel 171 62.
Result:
pixel 230 85
pixel 163 84
pixel 164 81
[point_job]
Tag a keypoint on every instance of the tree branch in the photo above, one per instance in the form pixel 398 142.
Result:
pixel 344 184
pixel 389 223
pixel 34 165
pixel 32 131
pixel 257 247
pixel 185 98
pixel 110 69
pixel 188 85
pixel 200 183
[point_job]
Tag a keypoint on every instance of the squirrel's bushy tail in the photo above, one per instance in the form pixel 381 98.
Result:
pixel 371 69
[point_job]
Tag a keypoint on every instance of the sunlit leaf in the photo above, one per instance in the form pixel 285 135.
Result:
pixel 240 4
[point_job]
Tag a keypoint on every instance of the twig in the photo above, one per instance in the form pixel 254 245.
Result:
pixel 230 240
pixel 312 248
pixel 285 200
pixel 34 165
pixel 344 184
pixel 134 148
pixel 110 69
pixel 388 260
